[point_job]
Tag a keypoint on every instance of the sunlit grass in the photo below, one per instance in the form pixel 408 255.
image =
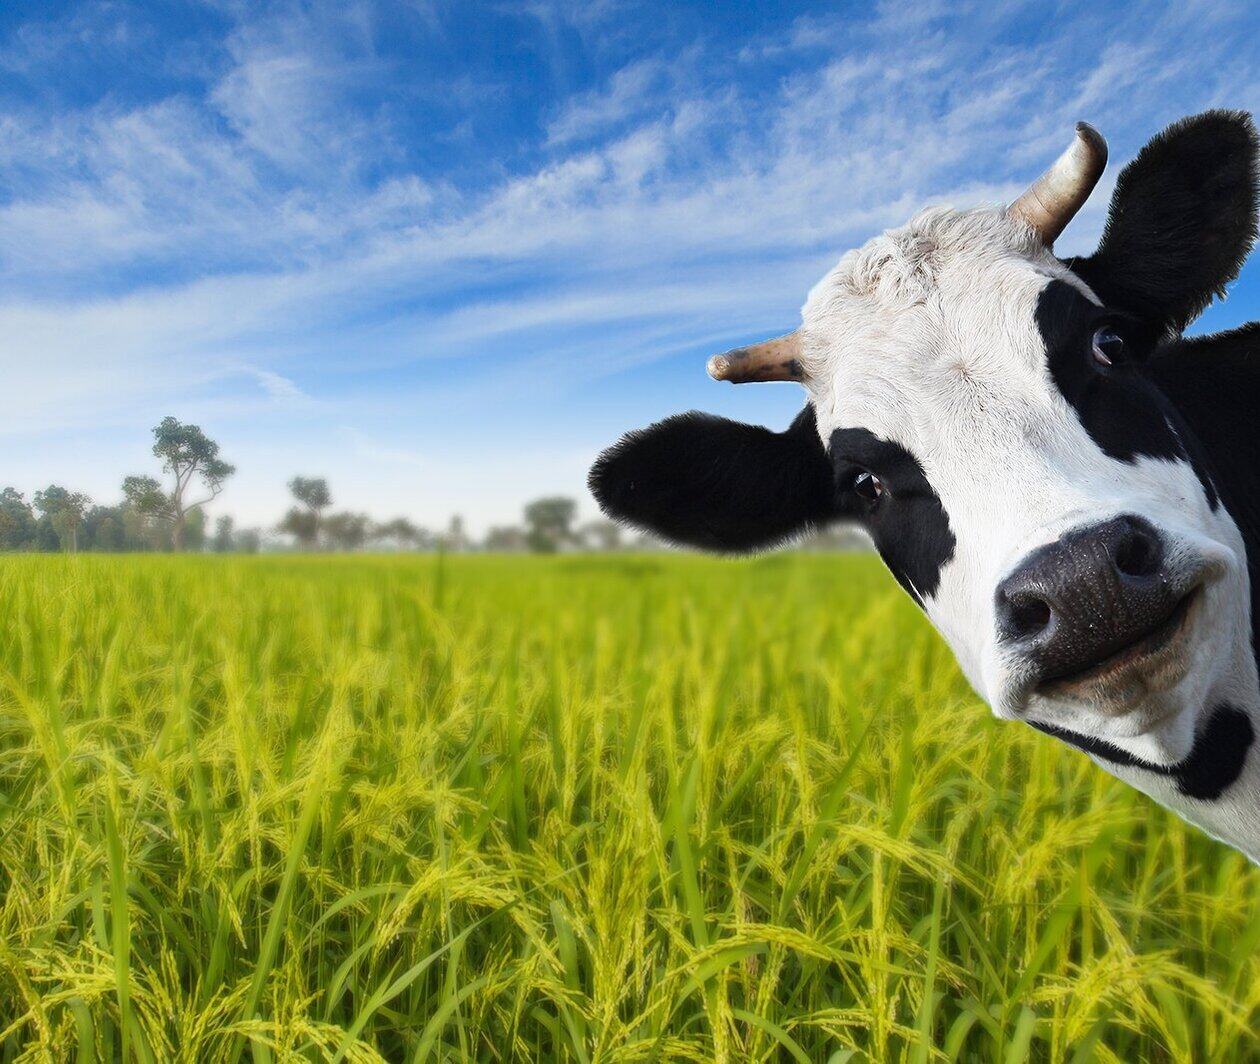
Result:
pixel 580 809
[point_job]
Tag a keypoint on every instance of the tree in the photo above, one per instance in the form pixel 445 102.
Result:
pixel 148 515
pixel 399 533
pixel 189 456
pixel 505 538
pixel 302 525
pixel 601 535
pixel 347 531
pixel 144 493
pixel 103 529
pixel 17 521
pixel 312 493
pixel 549 523
pixel 222 542
pixel 455 538
pixel 145 526
pixel 109 535
pixel 62 512
pixel 195 530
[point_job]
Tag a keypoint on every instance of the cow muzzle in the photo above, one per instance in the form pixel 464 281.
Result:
pixel 1100 616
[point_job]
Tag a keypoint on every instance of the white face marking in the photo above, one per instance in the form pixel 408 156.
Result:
pixel 927 337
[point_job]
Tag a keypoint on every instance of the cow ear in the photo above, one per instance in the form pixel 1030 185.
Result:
pixel 1181 222
pixel 708 482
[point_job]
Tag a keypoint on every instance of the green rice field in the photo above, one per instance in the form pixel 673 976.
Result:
pixel 583 808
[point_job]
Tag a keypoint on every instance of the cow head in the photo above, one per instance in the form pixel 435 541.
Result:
pixel 992 416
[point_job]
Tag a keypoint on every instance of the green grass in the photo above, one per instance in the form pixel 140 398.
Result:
pixel 579 809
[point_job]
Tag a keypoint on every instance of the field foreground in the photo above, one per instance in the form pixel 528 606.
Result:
pixel 581 809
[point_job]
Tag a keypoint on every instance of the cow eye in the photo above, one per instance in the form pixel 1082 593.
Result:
pixel 1107 346
pixel 868 486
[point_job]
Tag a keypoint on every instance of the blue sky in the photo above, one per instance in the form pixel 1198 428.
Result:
pixel 443 252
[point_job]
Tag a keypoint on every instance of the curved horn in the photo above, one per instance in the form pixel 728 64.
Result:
pixel 1061 191
pixel 770 360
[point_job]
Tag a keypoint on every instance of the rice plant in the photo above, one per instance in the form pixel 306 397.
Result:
pixel 573 809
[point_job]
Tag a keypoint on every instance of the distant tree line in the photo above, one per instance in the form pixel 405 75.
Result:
pixel 548 525
pixel 153 515
pixel 168 514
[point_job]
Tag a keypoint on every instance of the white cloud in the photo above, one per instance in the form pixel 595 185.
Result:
pixel 284 92
pixel 630 92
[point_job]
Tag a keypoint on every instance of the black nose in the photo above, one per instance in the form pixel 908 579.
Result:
pixel 1076 602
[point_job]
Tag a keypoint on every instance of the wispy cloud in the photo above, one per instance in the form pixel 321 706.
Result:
pixel 631 91
pixel 278 387
pixel 371 450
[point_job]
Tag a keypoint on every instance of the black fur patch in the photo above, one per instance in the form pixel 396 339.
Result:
pixel 1181 222
pixel 1123 412
pixel 1122 408
pixel 1214 381
pixel 721 485
pixel 1214 763
pixel 909 525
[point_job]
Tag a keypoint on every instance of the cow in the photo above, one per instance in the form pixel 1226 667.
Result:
pixel 1063 481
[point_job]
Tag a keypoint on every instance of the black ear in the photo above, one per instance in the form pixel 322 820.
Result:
pixel 722 485
pixel 1182 220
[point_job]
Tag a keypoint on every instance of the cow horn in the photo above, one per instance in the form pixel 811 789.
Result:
pixel 770 360
pixel 1061 191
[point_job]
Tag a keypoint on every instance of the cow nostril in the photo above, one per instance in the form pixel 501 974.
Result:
pixel 1026 615
pixel 1137 553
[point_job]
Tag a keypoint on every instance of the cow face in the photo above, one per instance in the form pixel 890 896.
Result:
pixel 992 416
pixel 987 419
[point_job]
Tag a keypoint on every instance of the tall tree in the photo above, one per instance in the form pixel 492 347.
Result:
pixel 303 522
pixel 549 523
pixel 62 511
pixel 223 528
pixel 347 531
pixel 302 525
pixel 17 521
pixel 190 458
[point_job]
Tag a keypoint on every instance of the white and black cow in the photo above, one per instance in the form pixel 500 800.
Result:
pixel 1068 486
